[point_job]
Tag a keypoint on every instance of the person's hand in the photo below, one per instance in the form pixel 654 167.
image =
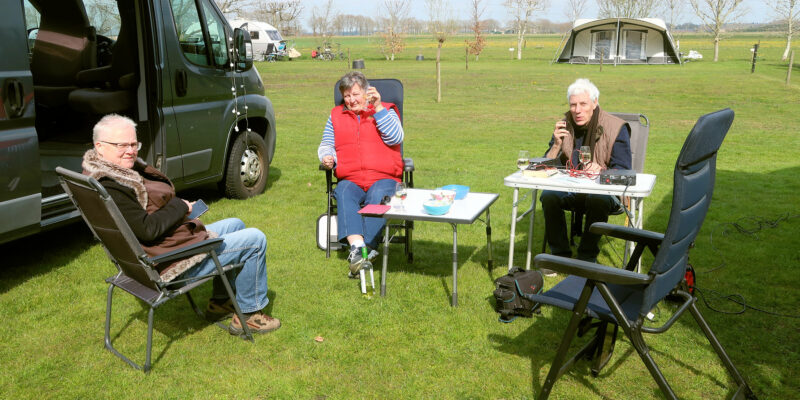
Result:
pixel 188 204
pixel 593 167
pixel 327 162
pixel 374 98
pixel 559 133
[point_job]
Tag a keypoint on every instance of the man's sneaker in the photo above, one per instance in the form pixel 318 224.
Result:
pixel 257 322
pixel 356 260
pixel 219 309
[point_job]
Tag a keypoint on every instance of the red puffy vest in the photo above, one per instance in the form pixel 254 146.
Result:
pixel 362 156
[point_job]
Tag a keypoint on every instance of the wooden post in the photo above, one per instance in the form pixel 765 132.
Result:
pixel 755 56
pixel 466 56
pixel 602 55
pixel 789 71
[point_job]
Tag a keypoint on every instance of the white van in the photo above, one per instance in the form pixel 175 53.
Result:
pixel 265 37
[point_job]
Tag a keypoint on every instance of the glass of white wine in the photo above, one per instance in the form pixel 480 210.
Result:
pixel 523 159
pixel 400 192
pixel 586 155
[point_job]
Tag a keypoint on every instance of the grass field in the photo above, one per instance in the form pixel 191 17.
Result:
pixel 412 344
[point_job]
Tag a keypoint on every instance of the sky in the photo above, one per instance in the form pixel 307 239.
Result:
pixel 757 11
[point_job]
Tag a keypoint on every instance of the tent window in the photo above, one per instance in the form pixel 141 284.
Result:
pixel 602 44
pixel 253 35
pixel 633 44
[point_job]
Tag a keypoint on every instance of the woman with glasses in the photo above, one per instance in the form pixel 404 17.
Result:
pixel 159 219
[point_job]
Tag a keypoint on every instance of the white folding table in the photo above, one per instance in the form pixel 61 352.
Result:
pixel 464 211
pixel 565 183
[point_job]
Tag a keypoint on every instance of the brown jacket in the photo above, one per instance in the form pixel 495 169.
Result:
pixel 608 127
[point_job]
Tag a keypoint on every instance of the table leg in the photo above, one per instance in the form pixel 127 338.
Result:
pixel 534 194
pixel 514 199
pixel 454 302
pixel 489 237
pixel 385 259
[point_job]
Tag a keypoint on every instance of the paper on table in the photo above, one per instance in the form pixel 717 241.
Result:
pixel 375 209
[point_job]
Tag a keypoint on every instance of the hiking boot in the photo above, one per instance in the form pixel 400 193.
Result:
pixel 258 322
pixel 356 260
pixel 218 309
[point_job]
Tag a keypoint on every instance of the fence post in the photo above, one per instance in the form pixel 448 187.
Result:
pixel 602 56
pixel 755 56
pixel 789 71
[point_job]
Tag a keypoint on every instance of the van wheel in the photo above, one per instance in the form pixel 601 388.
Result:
pixel 248 167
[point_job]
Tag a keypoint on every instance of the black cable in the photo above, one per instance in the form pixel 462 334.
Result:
pixel 759 224
pixel 738 299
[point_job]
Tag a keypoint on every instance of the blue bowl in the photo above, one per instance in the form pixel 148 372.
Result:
pixel 461 190
pixel 435 208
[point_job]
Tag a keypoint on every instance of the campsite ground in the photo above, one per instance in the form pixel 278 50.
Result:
pixel 412 344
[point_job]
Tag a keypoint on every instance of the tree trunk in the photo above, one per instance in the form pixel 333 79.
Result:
pixel 438 74
pixel 788 47
pixel 520 37
pixel 716 48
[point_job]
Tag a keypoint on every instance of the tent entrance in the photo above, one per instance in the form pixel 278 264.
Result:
pixel 603 44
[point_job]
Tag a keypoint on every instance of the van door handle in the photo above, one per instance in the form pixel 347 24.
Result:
pixel 181 82
pixel 15 95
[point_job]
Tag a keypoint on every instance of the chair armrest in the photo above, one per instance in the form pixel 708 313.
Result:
pixel 590 270
pixel 408 164
pixel 195 248
pixel 627 233
pixel 93 77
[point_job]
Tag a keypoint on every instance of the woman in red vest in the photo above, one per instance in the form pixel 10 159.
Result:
pixel 361 140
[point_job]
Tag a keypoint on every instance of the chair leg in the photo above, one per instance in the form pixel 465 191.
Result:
pixel 194 306
pixel 224 278
pixel 605 347
pixel 409 234
pixel 744 388
pixel 149 339
pixel 107 339
pixel 558 366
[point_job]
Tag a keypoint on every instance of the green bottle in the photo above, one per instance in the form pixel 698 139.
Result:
pixel 370 290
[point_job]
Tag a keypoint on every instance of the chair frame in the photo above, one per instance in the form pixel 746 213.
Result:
pixel 140 278
pixel 696 162
pixel 408 175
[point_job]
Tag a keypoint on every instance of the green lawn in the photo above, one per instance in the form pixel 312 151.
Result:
pixel 412 344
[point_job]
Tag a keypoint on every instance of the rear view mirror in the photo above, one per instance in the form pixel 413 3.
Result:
pixel 243 49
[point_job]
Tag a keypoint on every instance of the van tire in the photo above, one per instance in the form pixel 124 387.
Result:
pixel 247 169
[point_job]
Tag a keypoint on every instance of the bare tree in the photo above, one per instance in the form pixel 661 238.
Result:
pixel 233 6
pixel 574 9
pixel 476 46
pixel 104 16
pixel 521 12
pixel 627 8
pixel 715 14
pixel 787 11
pixel 393 39
pixel 673 10
pixel 322 19
pixel 281 14
pixel 441 25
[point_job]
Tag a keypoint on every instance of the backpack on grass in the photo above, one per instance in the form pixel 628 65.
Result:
pixel 509 290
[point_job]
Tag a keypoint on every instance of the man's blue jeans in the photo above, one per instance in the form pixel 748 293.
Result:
pixel 350 198
pixel 596 208
pixel 241 244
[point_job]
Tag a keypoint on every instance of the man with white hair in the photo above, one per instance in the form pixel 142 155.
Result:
pixel 608 138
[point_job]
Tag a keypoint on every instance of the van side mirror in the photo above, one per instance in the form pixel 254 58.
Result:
pixel 243 48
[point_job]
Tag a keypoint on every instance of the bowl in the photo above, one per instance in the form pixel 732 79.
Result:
pixel 436 207
pixel 461 190
pixel 443 195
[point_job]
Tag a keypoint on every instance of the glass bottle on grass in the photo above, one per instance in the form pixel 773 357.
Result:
pixel 369 290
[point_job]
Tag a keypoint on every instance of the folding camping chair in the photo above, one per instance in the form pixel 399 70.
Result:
pixel 136 273
pixel 640 129
pixel 391 91
pixel 602 297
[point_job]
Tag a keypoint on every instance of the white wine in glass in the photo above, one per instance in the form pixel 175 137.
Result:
pixel 401 192
pixel 523 159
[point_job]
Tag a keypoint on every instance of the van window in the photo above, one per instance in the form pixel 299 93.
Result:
pixel 190 33
pixel 216 31
pixel 32 18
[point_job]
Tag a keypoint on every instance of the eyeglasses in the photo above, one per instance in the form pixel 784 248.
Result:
pixel 125 146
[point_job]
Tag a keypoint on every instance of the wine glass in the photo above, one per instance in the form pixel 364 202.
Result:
pixel 523 159
pixel 585 155
pixel 401 192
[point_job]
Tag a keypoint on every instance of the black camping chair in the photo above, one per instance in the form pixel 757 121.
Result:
pixel 136 273
pixel 601 297
pixel 640 130
pixel 391 91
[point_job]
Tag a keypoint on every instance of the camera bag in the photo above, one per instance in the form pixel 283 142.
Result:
pixel 510 291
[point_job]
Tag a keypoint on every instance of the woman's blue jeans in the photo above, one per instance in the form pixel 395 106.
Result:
pixel 240 245
pixel 349 199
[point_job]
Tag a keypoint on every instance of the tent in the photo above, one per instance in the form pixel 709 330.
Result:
pixel 618 41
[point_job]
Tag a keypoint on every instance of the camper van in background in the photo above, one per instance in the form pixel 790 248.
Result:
pixel 176 67
pixel 265 37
